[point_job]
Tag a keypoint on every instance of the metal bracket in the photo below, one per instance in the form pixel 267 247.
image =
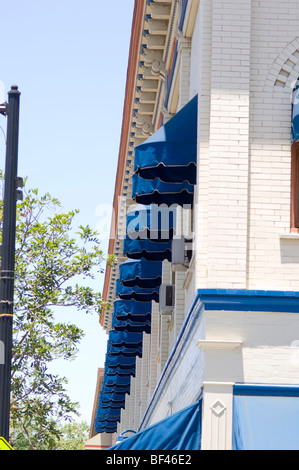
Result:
pixel 19 182
pixel 4 108
pixel 19 195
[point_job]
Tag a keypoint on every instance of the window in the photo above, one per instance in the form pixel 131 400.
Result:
pixel 295 160
pixel 295 187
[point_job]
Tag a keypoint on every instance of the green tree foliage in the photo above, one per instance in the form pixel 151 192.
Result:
pixel 53 267
pixel 72 436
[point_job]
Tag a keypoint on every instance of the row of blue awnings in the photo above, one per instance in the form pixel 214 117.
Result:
pixel 165 175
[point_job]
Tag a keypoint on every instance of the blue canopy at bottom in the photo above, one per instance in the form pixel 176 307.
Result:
pixel 180 431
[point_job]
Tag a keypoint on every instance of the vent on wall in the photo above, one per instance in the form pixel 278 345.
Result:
pixel 166 298
pixel 181 253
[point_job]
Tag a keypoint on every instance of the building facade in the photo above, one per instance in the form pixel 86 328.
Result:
pixel 223 329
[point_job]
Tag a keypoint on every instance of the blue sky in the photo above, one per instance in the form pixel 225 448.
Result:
pixel 69 59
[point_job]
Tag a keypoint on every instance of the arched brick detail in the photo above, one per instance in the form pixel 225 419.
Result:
pixel 285 70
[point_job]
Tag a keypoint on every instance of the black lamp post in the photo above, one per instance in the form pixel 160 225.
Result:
pixel 12 182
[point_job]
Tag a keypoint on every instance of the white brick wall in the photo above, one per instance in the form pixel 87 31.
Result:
pixel 272 261
pixel 229 144
pixel 239 51
pixel 270 343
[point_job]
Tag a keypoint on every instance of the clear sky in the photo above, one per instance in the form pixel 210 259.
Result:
pixel 69 59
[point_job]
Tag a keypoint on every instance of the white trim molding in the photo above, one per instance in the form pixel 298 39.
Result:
pixel 206 345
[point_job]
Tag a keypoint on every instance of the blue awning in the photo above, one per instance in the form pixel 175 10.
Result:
pixel 106 421
pixel 117 382
pixel 180 431
pixel 109 409
pixel 120 339
pixel 110 403
pixel 108 414
pixel 108 418
pixel 132 316
pixel 131 326
pixel 116 390
pixel 265 417
pixel 136 293
pixel 111 372
pixel 170 153
pixel 102 421
pixel 147 249
pixel 123 351
pixel 133 310
pixel 125 363
pixel 141 273
pixel 112 399
pixel 158 192
pixel 108 428
pixel 154 222
pixel 122 343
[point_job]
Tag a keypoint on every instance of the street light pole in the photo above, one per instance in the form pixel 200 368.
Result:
pixel 11 110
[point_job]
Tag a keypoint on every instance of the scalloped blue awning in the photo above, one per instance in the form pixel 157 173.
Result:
pixel 133 310
pixel 109 408
pixel 110 404
pixel 112 399
pixel 117 390
pixel 131 326
pixel 147 249
pixel 123 351
pixel 131 315
pixel 105 420
pixel 141 273
pixel 108 414
pixel 265 417
pixel 117 382
pixel 122 343
pixel 137 293
pixel 170 153
pixel 158 192
pixel 106 427
pixel 120 339
pixel 180 431
pixel 111 372
pixel 125 363
pixel 154 222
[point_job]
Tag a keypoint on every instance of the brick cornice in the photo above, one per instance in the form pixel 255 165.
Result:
pixel 137 25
